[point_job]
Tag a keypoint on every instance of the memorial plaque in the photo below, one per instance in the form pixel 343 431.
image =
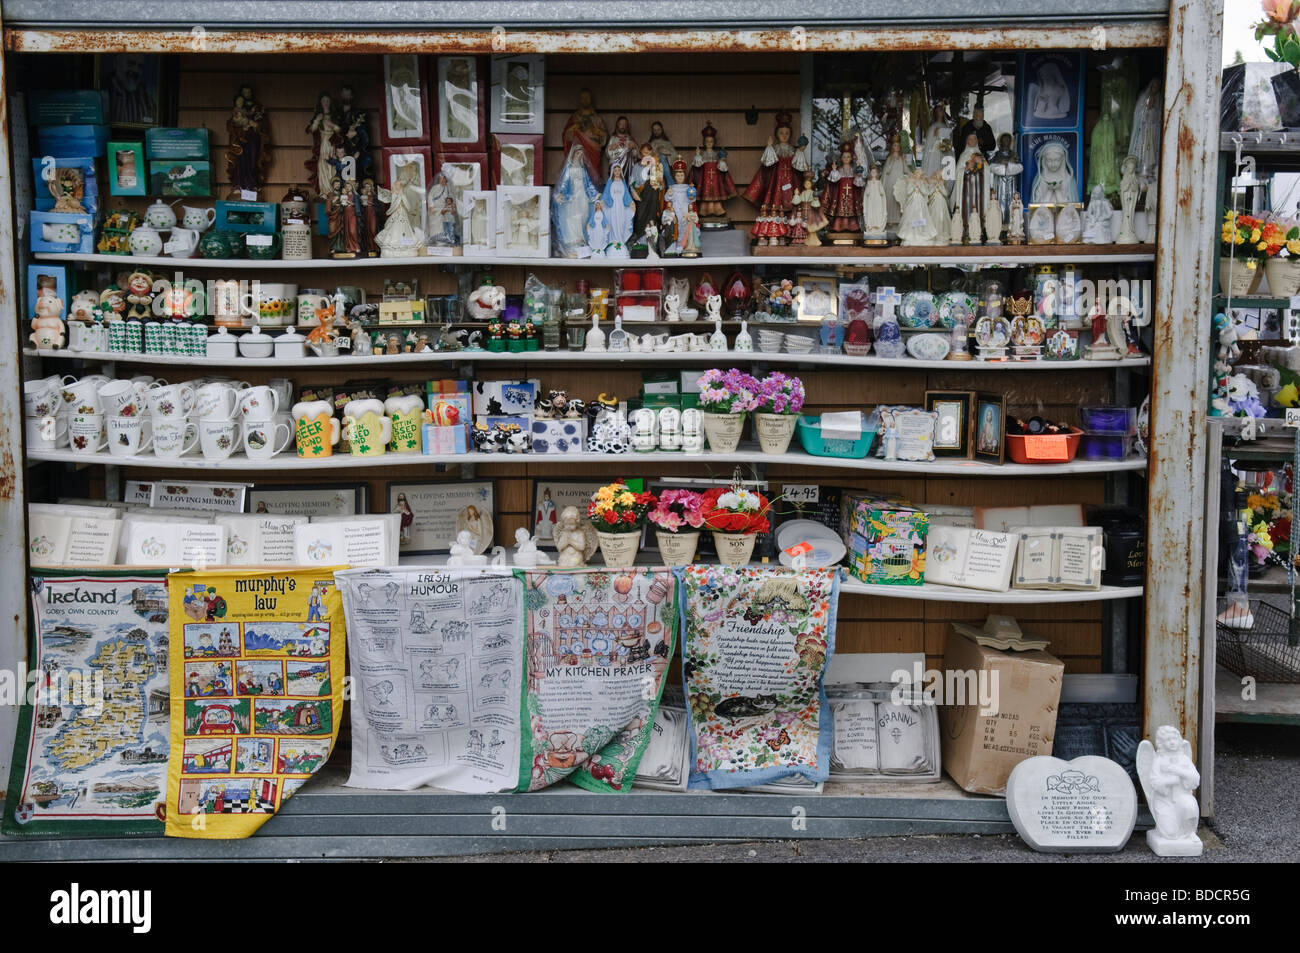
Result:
pixel 1087 805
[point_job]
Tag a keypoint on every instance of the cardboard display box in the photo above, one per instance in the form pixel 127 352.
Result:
pixel 979 751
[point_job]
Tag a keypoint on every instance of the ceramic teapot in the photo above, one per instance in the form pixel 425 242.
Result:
pixel 217 245
pixel 197 219
pixel 160 215
pixel 145 242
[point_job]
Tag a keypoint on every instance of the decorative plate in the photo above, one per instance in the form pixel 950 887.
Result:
pixel 955 304
pixel 929 347
pixel 917 310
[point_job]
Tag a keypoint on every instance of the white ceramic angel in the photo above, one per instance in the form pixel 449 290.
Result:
pixel 571 538
pixel 915 226
pixel 400 235
pixel 462 551
pixel 527 554
pixel 1169 776
pixel 1097 219
pixel 940 217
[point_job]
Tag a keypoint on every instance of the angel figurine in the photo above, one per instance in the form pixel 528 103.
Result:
pixel 527 554
pixel 711 178
pixel 1169 776
pixel 400 236
pixel 574 538
pixel 780 168
pixel 896 166
pixel 248 156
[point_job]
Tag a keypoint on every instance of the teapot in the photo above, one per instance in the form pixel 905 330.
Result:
pixel 160 215
pixel 145 242
pixel 197 219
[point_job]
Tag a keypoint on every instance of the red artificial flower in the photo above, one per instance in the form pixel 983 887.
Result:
pixel 629 516
pixel 611 517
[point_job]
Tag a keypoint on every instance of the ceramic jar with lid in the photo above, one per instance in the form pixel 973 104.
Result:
pixel 291 345
pixel 223 345
pixel 160 215
pixel 256 344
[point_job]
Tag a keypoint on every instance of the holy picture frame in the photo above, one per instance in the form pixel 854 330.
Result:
pixel 310 499
pixel 952 431
pixel 817 298
pixel 550 497
pixel 135 86
pixel 988 441
pixel 433 512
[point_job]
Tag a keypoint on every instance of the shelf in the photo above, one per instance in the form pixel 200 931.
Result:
pixel 1274 703
pixel 993 257
pixel 1284 141
pixel 289 461
pixel 1271 581
pixel 1265 450
pixel 585 357
pixel 1281 304
pixel 936 593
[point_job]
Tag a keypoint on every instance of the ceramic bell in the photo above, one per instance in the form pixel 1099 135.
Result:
pixel 595 337
pixel 718 340
pixel 744 340
pixel 618 338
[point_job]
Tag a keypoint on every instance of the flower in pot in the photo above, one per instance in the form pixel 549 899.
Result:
pixel 617 514
pixel 1279 242
pixel 678 516
pixel 1239 237
pixel 735 514
pixel 725 398
pixel 780 399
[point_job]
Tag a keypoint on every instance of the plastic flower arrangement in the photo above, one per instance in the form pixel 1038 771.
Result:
pixel 780 394
pixel 1261 545
pixel 1277 237
pixel 678 511
pixel 616 509
pixel 736 509
pixel 727 392
pixel 1242 231
pixel 1280 23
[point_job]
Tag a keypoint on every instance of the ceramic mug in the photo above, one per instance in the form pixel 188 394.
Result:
pixel 368 434
pixel 46 432
pixel 41 398
pixel 283 388
pixel 86 433
pixel 276 304
pixel 182 243
pixel 121 399
pixel 82 397
pixel 85 337
pixel 218 437
pixel 128 436
pixel 258 403
pixel 264 439
pixel 198 219
pixel 171 400
pixel 174 436
pixel 216 400
pixel 406 416
pixel 310 300
pixel 316 428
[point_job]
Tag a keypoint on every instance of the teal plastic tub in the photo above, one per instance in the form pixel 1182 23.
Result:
pixel 810 435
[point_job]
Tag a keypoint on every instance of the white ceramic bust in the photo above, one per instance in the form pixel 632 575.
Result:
pixel 1169 777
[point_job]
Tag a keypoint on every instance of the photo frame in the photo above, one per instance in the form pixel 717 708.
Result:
pixel 989 423
pixel 907 433
pixel 432 513
pixel 817 298
pixel 309 499
pixel 519 93
pixel 134 83
pixel 478 224
pixel 550 497
pixel 523 221
pixel 515 159
pixel 952 431
pixel 461 103
pixel 405 119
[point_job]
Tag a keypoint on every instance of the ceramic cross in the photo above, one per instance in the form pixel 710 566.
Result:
pixel 887 299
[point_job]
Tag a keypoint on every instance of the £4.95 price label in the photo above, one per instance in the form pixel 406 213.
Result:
pixel 801 492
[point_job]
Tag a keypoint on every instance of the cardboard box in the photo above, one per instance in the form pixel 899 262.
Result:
pixel 886 542
pixel 126 169
pixel 404 119
pixel 46 169
pixel 255 217
pixel 60 141
pixel 979 751
pixel 459 126
pixel 445 439
pixel 504 398
pixel 65 107
pixel 169 142
pixel 68 232
pixel 559 436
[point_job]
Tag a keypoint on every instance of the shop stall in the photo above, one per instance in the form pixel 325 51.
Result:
pixel 387 290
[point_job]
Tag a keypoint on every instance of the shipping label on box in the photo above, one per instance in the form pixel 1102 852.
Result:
pixel 887 544
pixel 504 398
pixel 559 436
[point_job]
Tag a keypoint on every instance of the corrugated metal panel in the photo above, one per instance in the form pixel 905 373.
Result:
pixel 484 14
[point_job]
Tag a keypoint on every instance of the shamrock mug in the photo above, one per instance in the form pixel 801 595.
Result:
pixel 316 428
pixel 366 428
pixel 406 414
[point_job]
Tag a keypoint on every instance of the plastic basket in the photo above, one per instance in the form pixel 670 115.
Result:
pixel 1267 651
pixel 1043 448
pixel 810 435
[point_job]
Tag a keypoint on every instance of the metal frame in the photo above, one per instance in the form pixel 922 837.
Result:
pixel 1188 210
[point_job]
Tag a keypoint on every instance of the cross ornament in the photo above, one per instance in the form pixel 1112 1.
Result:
pixel 887 299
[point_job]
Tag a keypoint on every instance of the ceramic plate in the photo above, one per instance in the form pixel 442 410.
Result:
pixel 827 548
pixel 952 304
pixel 929 347
pixel 917 310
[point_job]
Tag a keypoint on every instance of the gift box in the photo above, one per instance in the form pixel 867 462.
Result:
pixel 515 159
pixel 126 169
pixel 452 439
pixel 448 410
pixel 559 436
pixel 405 117
pixel 67 232
pixel 67 107
pixel 61 141
pixel 46 169
pixel 182 177
pixel 458 108
pixel 504 398
pixel 886 542
pixel 252 217
pixel 170 142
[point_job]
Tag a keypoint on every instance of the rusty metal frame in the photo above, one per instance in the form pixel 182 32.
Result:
pixel 1188 210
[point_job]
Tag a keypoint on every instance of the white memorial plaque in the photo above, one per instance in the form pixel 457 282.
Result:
pixel 1087 805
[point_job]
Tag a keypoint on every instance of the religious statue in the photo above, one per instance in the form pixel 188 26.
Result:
pixel 875 210
pixel 711 178
pixel 937 143
pixel 442 226
pixel 356 135
pixel 1054 183
pixel 1005 167
pixel 915 227
pixel 1068 225
pixel 621 149
pixel 992 219
pixel 1169 776
pixel 369 211
pixel 1097 219
pixel 1129 187
pixel 662 148
pixel 780 168
pixel 462 551
pixel 248 156
pixel 981 130
pixel 958 227
pixel 344 221
pixel 1101 156
pixel 940 216
pixel 586 129
pixel 1016 221
pixel 1145 141
pixel 400 236
pixel 619 212
pixel 571 203
pixel 574 538
pixel 842 200
pixel 326 131
pixel 648 184
pixel 1048 93
pixel 897 165
pixel 680 216
pixel 808 219
pixel 527 554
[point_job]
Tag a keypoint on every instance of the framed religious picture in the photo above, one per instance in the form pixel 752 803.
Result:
pixel 460 104
pixel 952 429
pixel 817 298
pixel 523 221
pixel 432 514
pixel 550 497
pixel 1051 91
pixel 134 82
pixel 405 109
pixel 515 159
pixel 1052 168
pixel 990 420
pixel 309 499
pixel 519 93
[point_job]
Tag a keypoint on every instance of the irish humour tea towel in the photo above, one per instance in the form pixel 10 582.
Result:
pixel 755 645
pixel 599 644
pixel 437 659
pixel 256 692
pixel 91 753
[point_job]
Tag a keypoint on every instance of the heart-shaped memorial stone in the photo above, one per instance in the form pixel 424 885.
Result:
pixel 1087 805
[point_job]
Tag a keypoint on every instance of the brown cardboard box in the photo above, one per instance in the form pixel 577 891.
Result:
pixel 979 751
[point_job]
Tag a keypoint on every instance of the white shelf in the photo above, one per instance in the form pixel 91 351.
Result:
pixel 895 257
pixel 290 461
pixel 931 592
pixel 586 357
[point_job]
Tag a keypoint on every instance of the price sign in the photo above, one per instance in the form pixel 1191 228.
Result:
pixel 1293 416
pixel 801 493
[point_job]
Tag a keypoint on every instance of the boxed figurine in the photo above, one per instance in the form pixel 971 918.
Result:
pixel 59 179
pixel 255 217
pixel 886 542
pixel 126 169
pixel 519 93
pixel 478 224
pixel 458 110
pixel 559 436
pixel 406 108
pixel 452 439
pixel 515 159
pixel 524 221
pixel 504 398
pixel 65 232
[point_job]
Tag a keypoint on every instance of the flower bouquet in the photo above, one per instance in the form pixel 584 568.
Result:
pixel 678 516
pixel 735 514
pixel 1279 241
pixel 1239 268
pixel 725 398
pixel 617 514
pixel 780 398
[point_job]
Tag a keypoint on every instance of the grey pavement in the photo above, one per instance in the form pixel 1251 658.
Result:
pixel 1257 771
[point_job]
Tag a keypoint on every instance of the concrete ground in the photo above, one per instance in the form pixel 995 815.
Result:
pixel 1257 769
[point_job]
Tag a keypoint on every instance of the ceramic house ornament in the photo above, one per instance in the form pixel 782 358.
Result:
pixel 1169 777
